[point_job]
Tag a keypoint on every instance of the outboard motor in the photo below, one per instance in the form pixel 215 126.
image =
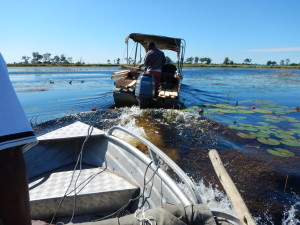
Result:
pixel 144 90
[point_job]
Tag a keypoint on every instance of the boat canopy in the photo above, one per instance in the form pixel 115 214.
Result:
pixel 161 42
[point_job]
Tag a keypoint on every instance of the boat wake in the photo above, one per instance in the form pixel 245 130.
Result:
pixel 183 136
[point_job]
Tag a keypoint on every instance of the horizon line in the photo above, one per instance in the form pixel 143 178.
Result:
pixel 288 49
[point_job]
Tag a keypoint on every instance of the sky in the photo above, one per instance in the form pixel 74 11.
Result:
pixel 94 30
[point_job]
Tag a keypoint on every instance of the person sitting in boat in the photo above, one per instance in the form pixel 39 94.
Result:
pixel 16 136
pixel 153 62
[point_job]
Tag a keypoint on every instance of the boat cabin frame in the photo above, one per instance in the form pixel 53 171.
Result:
pixel 162 42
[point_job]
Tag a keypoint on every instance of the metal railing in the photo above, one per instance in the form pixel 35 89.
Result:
pixel 154 152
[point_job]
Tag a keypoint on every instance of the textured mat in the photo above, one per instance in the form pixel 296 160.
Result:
pixel 98 190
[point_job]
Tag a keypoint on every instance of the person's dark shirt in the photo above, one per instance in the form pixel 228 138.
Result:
pixel 154 60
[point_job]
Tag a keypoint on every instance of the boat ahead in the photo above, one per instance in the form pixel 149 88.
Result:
pixel 80 174
pixel 135 87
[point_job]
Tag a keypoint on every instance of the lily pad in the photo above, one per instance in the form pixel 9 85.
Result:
pixel 263 123
pixel 284 136
pixel 296 131
pixel 268 141
pixel 243 135
pixel 260 134
pixel 249 128
pixel 226 106
pixel 241 117
pixel 294 143
pixel 266 102
pixel 281 152
pixel 272 117
pixel 290 119
pixel 236 127
pixel 296 125
pixel 245 111
pixel 265 111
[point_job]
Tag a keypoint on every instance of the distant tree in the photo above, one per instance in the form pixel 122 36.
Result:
pixel 287 62
pixel 192 60
pixel 231 62
pixel 271 63
pixel 205 60
pixel 63 59
pixel 118 60
pixel 46 57
pixel 80 61
pixel 56 59
pixel 247 61
pixel 108 61
pixel 36 57
pixel 169 60
pixel 70 59
pixel 189 60
pixel 208 60
pixel 226 61
pixel 202 60
pixel 196 59
pixel 282 62
pixel 26 59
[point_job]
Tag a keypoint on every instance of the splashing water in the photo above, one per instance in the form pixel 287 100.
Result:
pixel 292 215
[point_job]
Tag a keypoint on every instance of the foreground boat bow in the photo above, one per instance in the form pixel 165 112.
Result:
pixel 79 173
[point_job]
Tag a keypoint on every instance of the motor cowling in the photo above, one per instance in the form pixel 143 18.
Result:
pixel 145 89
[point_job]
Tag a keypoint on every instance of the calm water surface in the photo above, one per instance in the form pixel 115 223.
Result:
pixel 250 115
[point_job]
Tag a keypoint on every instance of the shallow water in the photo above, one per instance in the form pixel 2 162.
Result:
pixel 250 115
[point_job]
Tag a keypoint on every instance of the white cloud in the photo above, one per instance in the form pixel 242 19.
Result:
pixel 290 49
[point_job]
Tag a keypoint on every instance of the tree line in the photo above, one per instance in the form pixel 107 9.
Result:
pixel 46 58
pixel 227 61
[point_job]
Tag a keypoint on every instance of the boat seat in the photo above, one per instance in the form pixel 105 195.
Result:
pixel 99 191
pixel 168 78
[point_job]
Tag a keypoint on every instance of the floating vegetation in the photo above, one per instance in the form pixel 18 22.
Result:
pixel 291 142
pixel 268 141
pixel 243 135
pixel 245 111
pixel 281 152
pixel 241 117
pixel 247 127
pixel 296 124
pixel 227 106
pixel 290 119
pixel 270 124
pixel 264 134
